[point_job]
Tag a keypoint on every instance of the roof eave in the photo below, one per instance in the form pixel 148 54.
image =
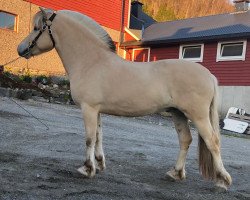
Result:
pixel 160 42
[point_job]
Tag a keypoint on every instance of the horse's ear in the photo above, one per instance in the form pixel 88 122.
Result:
pixel 43 13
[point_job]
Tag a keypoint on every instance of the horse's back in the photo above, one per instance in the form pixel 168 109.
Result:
pixel 179 75
pixel 156 85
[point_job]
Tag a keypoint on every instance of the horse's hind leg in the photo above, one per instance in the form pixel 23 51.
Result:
pixel 209 144
pixel 90 115
pixel 185 139
pixel 99 155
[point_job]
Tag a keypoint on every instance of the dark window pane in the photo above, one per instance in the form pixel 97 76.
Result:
pixel 235 49
pixel 7 20
pixel 192 52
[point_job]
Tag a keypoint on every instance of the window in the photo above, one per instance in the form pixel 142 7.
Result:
pixel 7 21
pixel 192 52
pixel 231 50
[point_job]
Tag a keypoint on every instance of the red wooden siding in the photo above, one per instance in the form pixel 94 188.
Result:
pixel 164 53
pixel 129 53
pixel 106 13
pixel 128 37
pixel 228 73
pixel 140 55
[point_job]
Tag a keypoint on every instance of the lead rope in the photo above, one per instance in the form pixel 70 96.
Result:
pixel 47 128
pixel 19 105
pixel 11 61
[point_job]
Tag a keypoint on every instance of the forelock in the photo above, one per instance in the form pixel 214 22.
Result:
pixel 39 16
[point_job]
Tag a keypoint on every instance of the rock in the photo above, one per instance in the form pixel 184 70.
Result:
pixel 37 93
pixel 4 92
pixel 41 86
pixel 24 94
pixel 55 86
pixel 57 79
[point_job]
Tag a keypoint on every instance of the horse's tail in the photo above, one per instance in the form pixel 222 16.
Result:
pixel 206 163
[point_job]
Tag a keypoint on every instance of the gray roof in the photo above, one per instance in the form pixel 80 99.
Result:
pixel 223 26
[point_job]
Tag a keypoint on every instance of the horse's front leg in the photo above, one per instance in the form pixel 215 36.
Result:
pixel 99 155
pixel 90 115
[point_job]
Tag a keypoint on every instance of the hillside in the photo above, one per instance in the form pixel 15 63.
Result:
pixel 163 10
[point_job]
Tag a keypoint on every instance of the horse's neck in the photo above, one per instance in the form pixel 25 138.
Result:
pixel 77 49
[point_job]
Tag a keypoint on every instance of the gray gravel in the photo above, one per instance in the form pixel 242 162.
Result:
pixel 40 164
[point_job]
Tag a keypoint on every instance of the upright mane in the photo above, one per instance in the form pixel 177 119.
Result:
pixel 93 26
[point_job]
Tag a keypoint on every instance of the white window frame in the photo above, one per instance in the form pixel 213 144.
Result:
pixel 230 58
pixel 200 59
pixel 133 53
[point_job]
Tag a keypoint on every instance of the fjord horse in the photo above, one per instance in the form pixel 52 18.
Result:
pixel 103 82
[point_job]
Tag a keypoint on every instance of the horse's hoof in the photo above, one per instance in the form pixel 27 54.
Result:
pixel 170 177
pixel 83 171
pixel 223 181
pixel 100 168
pixel 86 171
pixel 174 175
pixel 100 161
pixel 220 187
pixel 228 179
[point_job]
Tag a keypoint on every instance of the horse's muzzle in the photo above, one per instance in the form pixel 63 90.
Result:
pixel 23 51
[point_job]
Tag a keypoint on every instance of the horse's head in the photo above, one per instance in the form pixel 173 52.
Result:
pixel 41 39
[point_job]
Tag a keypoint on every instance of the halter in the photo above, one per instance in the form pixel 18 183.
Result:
pixel 45 26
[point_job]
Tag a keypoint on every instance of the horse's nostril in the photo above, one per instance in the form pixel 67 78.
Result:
pixel 19 52
pixel 22 50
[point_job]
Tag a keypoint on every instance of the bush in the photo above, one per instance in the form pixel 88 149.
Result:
pixel 42 79
pixel 26 78
pixel 12 76
pixel 6 73
pixel 64 82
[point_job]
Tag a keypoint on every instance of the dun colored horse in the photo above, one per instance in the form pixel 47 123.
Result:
pixel 102 82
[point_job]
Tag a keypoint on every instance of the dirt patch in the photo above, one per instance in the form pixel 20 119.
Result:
pixel 9 115
pixel 40 164
pixel 6 157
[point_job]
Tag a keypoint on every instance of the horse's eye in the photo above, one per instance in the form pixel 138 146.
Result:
pixel 36 29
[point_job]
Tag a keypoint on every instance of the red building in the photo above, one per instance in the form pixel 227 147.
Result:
pixel 112 15
pixel 222 47
pixel 115 16
pixel 220 43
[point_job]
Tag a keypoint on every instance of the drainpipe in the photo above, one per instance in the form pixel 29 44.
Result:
pixel 142 26
pixel 122 22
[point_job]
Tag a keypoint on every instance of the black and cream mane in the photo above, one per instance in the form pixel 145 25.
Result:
pixel 93 26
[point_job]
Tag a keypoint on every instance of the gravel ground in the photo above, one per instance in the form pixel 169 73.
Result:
pixel 36 163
